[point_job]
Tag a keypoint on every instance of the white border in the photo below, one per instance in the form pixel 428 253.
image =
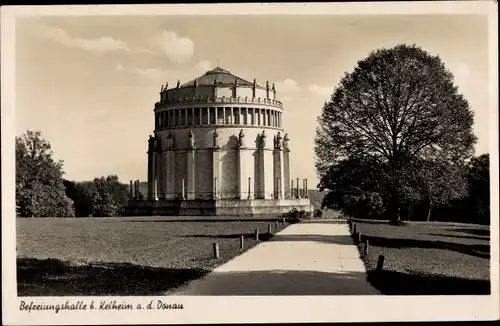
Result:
pixel 247 309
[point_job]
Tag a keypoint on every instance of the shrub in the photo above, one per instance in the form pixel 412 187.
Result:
pixel 295 216
pixel 318 213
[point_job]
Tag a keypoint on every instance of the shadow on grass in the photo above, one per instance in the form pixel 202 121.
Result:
pixel 52 277
pixel 483 232
pixel 478 250
pixel 474 237
pixel 396 283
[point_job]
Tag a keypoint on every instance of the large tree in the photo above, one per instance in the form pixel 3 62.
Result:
pixel 39 185
pixel 399 106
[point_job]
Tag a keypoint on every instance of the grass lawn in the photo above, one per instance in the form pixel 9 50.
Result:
pixel 427 258
pixel 123 256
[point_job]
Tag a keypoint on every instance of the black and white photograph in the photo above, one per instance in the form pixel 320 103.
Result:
pixel 231 163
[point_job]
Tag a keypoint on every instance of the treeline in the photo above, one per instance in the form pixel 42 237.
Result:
pixel 358 189
pixel 41 190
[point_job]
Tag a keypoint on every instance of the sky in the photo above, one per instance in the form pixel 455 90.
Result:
pixel 89 83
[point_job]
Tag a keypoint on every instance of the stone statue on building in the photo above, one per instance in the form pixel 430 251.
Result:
pixel 216 139
pixel 151 144
pixel 170 140
pixel 263 137
pixel 241 139
pixel 191 139
pixel 278 141
pixel 285 142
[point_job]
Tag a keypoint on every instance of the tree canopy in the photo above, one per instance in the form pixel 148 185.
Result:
pixel 104 196
pixel 401 115
pixel 39 185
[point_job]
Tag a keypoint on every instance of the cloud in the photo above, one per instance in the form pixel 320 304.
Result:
pixel 320 90
pixel 178 49
pixel 203 65
pixel 103 44
pixel 119 67
pixel 152 73
pixel 287 86
pixel 144 51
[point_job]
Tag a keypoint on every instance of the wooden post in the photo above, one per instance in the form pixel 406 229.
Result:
pixel 216 250
pixel 256 234
pixel 354 229
pixel 277 225
pixel 366 247
pixel 380 263
pixel 242 242
pixel 359 237
pixel 284 221
pixel 270 229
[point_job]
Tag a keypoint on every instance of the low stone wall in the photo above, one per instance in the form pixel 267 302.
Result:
pixel 221 207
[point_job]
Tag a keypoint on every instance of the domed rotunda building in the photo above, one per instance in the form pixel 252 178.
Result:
pixel 219 148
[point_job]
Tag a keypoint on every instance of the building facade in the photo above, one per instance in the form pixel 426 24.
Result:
pixel 219 142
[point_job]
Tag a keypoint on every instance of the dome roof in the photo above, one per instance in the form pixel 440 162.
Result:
pixel 220 76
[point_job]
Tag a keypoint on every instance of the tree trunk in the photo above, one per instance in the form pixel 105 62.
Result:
pixel 429 213
pixel 410 209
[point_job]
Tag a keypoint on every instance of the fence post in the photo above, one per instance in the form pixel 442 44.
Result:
pixel 256 234
pixel 354 229
pixel 277 226
pixel 380 262
pixel 216 250
pixel 366 247
pixel 359 237
pixel 270 229
pixel 242 242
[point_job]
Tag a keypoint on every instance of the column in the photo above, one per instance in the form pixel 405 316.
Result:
pixel 245 162
pixel 278 173
pixel 286 174
pixel 150 174
pixel 292 190
pixel 250 192
pixel 298 194
pixel 163 175
pixel 171 192
pixel 216 172
pixel 190 187
pixel 266 172
pixel 223 115
pixel 216 117
pixel 183 189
